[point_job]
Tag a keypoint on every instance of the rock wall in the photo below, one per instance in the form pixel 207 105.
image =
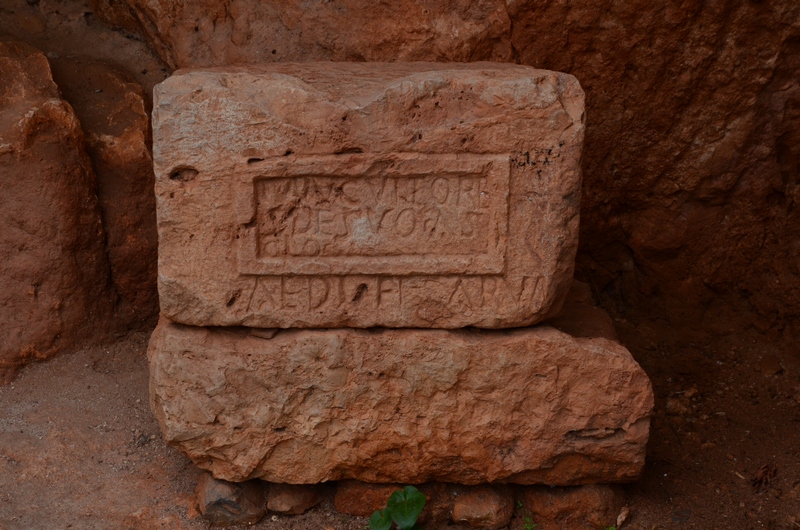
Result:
pixel 690 165
pixel 54 289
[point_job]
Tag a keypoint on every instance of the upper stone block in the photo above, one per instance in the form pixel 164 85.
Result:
pixel 367 194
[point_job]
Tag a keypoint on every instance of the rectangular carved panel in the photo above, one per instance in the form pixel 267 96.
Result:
pixel 367 215
pixel 397 195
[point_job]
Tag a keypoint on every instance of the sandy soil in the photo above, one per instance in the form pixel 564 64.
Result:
pixel 80 449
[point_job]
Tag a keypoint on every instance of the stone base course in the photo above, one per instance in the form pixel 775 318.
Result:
pixel 526 406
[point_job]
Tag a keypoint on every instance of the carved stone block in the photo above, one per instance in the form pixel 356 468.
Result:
pixel 337 194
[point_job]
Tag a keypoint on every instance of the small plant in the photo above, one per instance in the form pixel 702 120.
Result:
pixel 403 508
pixel 528 522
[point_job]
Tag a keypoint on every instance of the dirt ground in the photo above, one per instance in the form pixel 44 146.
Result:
pixel 79 448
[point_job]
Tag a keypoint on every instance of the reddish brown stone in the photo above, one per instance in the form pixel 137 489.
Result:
pixel 577 508
pixel 225 503
pixel 114 114
pixel 223 32
pixel 484 507
pixel 361 498
pixel 54 291
pixel 581 317
pixel 401 195
pixel 404 406
pixel 292 499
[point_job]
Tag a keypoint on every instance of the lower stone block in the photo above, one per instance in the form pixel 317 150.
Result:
pixel 526 406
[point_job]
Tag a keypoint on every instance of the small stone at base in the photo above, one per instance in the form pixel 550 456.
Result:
pixel 225 503
pixel 292 499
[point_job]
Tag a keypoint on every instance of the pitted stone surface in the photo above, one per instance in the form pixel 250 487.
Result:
pixel 398 195
pixel 525 406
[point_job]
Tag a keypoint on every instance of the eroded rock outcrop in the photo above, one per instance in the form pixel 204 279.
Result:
pixel 224 32
pixel 114 113
pixel 54 288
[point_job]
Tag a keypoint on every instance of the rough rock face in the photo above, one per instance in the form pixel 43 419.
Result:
pixel 54 287
pixel 691 157
pixel 523 406
pixel 692 149
pixel 222 32
pixel 401 195
pixel 114 115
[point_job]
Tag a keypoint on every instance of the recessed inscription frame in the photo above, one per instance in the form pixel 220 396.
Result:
pixel 397 214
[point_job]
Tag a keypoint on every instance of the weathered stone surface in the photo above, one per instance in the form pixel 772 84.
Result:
pixel 484 507
pixel 223 32
pixel 576 508
pixel 54 291
pixel 402 195
pixel 691 180
pixel 225 503
pixel 522 406
pixel 114 114
pixel 292 499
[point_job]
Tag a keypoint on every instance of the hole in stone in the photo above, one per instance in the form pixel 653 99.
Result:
pixel 349 150
pixel 233 299
pixel 183 174
pixel 254 160
pixel 288 152
pixel 360 292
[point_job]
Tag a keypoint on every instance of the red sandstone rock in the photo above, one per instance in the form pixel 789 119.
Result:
pixel 361 498
pixel 577 508
pixel 53 272
pixel 401 195
pixel 114 116
pixel 292 499
pixel 484 507
pixel 523 406
pixel 692 150
pixel 223 32
pixel 225 503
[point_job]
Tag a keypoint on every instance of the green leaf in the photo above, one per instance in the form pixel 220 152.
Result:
pixel 404 506
pixel 380 520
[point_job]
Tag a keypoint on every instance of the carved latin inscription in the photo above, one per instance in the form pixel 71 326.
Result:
pixel 398 214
